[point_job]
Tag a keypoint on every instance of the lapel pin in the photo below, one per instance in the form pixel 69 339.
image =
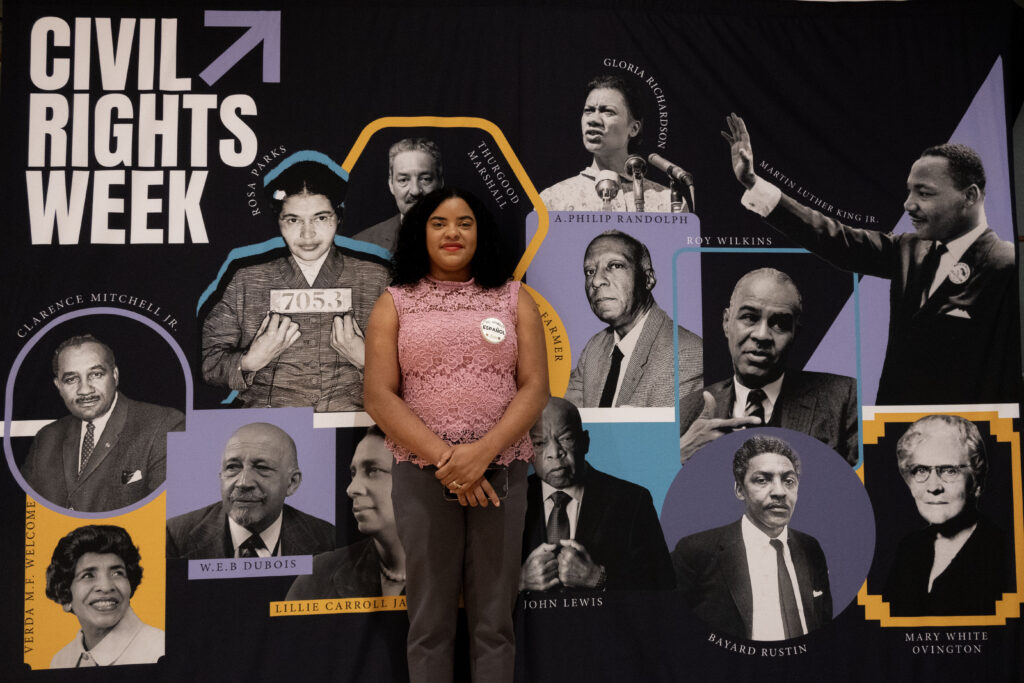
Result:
pixel 961 271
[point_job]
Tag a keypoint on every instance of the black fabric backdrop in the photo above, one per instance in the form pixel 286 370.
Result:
pixel 845 93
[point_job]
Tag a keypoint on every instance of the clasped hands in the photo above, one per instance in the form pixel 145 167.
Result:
pixel 278 332
pixel 461 470
pixel 568 563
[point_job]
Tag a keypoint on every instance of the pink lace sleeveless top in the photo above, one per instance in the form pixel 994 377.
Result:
pixel 457 353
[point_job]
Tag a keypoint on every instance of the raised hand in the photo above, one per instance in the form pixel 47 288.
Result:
pixel 742 154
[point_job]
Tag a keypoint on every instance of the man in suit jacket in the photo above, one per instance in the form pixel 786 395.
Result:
pixel 259 469
pixel 760 324
pixel 757 578
pixel 110 451
pixel 630 363
pixel 953 314
pixel 414 169
pixel 586 529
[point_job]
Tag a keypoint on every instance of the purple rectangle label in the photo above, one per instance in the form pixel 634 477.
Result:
pixel 250 567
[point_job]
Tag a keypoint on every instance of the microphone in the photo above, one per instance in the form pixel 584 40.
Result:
pixel 607 187
pixel 635 169
pixel 671 170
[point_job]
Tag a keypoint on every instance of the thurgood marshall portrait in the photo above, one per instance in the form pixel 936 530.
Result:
pixel 415 168
pixel 231 496
pixel 754 552
pixel 109 451
pixel 943 484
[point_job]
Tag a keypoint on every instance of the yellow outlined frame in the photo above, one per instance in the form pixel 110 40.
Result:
pixel 1009 606
pixel 465 122
pixel 556 370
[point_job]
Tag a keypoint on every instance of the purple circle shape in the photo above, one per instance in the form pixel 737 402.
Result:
pixel 9 406
pixel 832 505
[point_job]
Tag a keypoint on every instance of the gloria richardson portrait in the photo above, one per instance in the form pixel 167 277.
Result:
pixel 942 486
pixel 756 500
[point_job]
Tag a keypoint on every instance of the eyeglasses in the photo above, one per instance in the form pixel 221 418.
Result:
pixel 947 473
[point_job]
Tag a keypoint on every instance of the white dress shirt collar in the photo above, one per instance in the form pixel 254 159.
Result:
pixel 762 564
pixel 271 535
pixel 771 392
pixel 627 345
pixel 572 508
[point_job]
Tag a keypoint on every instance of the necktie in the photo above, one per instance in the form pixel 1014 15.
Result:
pixel 929 267
pixel 755 404
pixel 558 522
pixel 250 546
pixel 787 597
pixel 613 379
pixel 88 444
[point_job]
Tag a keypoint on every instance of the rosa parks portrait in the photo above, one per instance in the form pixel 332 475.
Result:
pixel 942 490
pixel 745 490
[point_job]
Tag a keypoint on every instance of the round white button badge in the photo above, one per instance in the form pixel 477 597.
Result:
pixel 493 330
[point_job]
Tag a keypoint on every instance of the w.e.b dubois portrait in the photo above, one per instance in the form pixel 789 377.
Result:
pixel 110 451
pixel 259 468
pixel 958 563
pixel 758 578
pixel 631 362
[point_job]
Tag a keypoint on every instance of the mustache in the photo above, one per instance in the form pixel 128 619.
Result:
pixel 245 498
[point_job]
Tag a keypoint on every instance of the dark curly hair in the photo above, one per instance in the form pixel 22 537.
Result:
pixel 491 265
pixel 305 177
pixel 965 167
pixel 96 538
pixel 759 445
pixel 630 95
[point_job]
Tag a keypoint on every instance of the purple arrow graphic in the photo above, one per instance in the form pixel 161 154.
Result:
pixel 264 27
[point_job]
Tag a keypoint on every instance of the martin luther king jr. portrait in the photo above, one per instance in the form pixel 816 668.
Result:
pixel 954 335
pixel 110 451
pixel 630 362
pixel 760 325
pixel 259 469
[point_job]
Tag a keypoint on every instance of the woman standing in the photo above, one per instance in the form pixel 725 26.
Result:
pixel 455 376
